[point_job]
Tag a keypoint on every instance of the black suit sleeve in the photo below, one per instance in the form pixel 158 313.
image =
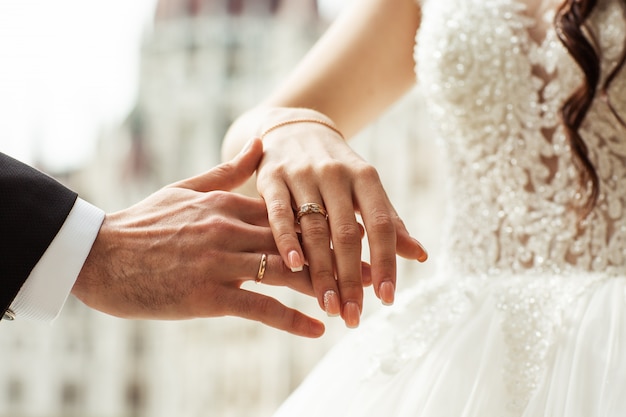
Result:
pixel 33 207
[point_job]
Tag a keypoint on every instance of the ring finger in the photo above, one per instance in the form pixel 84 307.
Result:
pixel 269 269
pixel 316 244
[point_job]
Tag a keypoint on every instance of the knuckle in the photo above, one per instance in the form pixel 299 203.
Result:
pixel 347 234
pixel 224 170
pixel 219 197
pixel 334 170
pixel 296 321
pixel 270 177
pixel 381 222
pixel 367 173
pixel 279 209
pixel 272 170
pixel 277 172
pixel 219 224
pixel 266 307
pixel 286 319
pixel 350 288
pixel 321 276
pixel 216 200
pixel 285 239
pixel 303 171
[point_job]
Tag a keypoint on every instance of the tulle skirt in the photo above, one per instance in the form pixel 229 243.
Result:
pixel 532 345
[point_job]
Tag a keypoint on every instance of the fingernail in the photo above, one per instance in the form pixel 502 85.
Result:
pixel 331 303
pixel 295 263
pixel 351 314
pixel 386 290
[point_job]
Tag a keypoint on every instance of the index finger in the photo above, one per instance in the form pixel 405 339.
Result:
pixel 227 175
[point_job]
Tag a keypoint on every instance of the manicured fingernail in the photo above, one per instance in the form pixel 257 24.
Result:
pixel 295 263
pixel 351 314
pixel 331 303
pixel 387 290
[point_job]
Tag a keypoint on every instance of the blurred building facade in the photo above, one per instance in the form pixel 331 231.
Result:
pixel 204 63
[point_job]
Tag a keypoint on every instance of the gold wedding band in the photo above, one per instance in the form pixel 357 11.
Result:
pixel 311 208
pixel 261 273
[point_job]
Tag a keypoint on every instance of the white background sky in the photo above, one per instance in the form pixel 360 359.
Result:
pixel 67 69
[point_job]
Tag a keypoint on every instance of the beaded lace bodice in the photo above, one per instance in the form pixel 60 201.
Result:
pixel 496 90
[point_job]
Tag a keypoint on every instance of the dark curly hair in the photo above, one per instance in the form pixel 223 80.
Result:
pixel 573 31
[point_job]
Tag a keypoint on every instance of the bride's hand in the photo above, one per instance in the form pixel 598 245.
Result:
pixel 309 162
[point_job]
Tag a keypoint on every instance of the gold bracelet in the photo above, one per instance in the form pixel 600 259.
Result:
pixel 293 121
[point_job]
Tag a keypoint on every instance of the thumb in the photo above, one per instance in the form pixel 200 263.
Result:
pixel 228 175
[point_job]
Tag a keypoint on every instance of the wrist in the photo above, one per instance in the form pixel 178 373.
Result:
pixel 260 120
pixel 94 267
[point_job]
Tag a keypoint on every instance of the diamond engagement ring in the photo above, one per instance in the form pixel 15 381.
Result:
pixel 310 208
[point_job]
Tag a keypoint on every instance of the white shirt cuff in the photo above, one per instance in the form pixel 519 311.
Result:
pixel 49 284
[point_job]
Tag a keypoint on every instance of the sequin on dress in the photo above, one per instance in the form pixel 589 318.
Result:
pixel 527 315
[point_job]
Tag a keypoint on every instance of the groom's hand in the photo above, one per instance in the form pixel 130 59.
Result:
pixel 185 251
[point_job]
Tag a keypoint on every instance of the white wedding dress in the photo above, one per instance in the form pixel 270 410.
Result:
pixel 527 315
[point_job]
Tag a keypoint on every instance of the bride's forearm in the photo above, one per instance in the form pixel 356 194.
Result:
pixel 361 65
